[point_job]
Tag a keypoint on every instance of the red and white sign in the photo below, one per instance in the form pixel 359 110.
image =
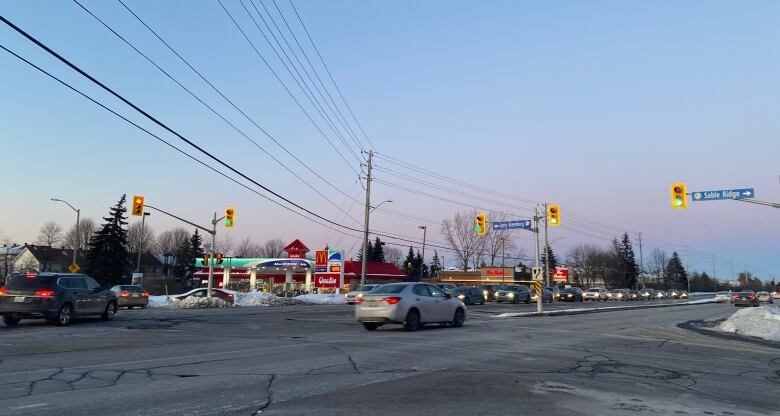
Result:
pixel 560 274
pixel 327 279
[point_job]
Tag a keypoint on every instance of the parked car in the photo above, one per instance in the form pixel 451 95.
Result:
pixel 673 294
pixel 595 294
pixel 547 296
pixel 469 295
pixel 634 295
pixel 660 295
pixel 130 296
pixel 618 295
pixel 490 291
pixel 764 296
pixel 556 292
pixel 683 294
pixel 571 294
pixel 224 294
pixel 360 291
pixel 514 294
pixel 722 297
pixel 647 294
pixel 409 304
pixel 445 286
pixel 745 298
pixel 57 297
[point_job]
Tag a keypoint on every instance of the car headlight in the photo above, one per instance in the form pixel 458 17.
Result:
pixel 510 295
pixel 569 295
pixel 461 297
pixel 485 292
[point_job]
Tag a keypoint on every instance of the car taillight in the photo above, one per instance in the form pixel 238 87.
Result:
pixel 392 300
pixel 751 297
pixel 735 297
pixel 124 294
pixel 3 291
pixel 359 300
pixel 146 293
pixel 45 293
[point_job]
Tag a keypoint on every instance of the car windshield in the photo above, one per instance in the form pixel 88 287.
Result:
pixel 594 290
pixel 617 291
pixel 27 282
pixel 133 288
pixel 390 288
pixel 365 288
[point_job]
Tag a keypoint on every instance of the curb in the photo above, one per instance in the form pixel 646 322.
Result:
pixel 565 312
pixel 703 327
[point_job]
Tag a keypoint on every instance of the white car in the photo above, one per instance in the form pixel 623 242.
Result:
pixel 360 291
pixel 722 297
pixel 409 304
pixel 595 293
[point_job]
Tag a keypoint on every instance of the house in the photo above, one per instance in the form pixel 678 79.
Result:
pixel 7 256
pixel 34 258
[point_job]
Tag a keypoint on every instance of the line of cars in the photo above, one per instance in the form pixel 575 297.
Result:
pixel 745 297
pixel 619 295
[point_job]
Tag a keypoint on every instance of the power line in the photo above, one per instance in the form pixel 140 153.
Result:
pixel 330 75
pixel 241 132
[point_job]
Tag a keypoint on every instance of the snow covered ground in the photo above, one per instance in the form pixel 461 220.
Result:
pixel 200 303
pixel 249 299
pixel 605 308
pixel 762 322
pixel 322 299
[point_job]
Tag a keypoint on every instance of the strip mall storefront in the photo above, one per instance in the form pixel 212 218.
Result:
pixel 487 275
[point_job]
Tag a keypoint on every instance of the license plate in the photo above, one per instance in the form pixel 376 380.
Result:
pixel 135 295
pixel 19 299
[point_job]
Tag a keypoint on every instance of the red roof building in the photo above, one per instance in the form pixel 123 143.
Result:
pixel 296 250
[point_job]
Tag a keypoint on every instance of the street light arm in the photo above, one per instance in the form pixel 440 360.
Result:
pixel 66 203
pixel 379 205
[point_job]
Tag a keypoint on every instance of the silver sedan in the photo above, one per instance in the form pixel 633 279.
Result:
pixel 409 304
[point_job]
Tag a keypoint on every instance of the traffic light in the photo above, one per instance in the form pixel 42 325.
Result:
pixel 219 258
pixel 481 224
pixel 138 206
pixel 554 215
pixel 679 199
pixel 229 214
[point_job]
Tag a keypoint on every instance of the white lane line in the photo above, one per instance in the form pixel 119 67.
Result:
pixel 29 406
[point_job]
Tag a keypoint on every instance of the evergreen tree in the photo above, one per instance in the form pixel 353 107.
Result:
pixel 369 249
pixel 553 260
pixel 675 272
pixel 628 260
pixel 195 250
pixel 186 255
pixel 409 264
pixel 419 264
pixel 107 259
pixel 378 252
pixel 435 267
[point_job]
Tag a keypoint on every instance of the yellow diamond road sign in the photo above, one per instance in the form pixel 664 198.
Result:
pixel 74 268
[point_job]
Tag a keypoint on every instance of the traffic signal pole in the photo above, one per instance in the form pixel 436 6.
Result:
pixel 536 231
pixel 546 251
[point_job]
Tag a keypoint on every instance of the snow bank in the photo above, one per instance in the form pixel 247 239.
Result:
pixel 198 303
pixel 762 322
pixel 262 299
pixel 322 299
pixel 574 311
pixel 159 301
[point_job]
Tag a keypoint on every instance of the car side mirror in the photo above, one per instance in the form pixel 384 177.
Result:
pixel 448 296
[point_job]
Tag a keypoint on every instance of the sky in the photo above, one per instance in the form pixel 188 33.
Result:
pixel 595 105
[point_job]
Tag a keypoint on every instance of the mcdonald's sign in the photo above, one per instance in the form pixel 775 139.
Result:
pixel 321 258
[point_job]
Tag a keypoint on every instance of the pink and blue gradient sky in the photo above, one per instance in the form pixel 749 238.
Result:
pixel 597 106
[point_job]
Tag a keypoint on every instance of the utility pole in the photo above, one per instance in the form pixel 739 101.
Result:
pixel 78 232
pixel 365 224
pixel 546 251
pixel 141 242
pixel 713 271
pixel 641 261
pixel 503 254
pixel 536 231
pixel 687 277
pixel 422 266
pixel 211 255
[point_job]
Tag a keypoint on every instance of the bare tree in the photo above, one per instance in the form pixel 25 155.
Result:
pixel 394 255
pixel 50 234
pixel 498 242
pixel 273 249
pixel 87 227
pixel 658 262
pixel 588 264
pixel 225 245
pixel 460 234
pixel 247 248
pixel 169 241
pixel 138 241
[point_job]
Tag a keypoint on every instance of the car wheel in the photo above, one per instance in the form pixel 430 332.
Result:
pixel 467 301
pixel 412 322
pixel 64 315
pixel 110 311
pixel 371 326
pixel 527 300
pixel 11 320
pixel 459 318
pixel 482 302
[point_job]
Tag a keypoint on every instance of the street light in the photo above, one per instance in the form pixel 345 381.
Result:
pixel 425 230
pixel 369 210
pixel 78 232
pixel 141 241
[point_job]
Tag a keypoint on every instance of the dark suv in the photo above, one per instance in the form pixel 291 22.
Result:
pixel 54 296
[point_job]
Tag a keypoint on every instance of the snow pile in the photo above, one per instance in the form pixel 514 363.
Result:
pixel 322 299
pixel 159 301
pixel 193 302
pixel 262 299
pixel 762 322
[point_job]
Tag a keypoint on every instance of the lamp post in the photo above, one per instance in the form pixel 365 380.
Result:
pixel 78 232
pixel 365 240
pixel 141 242
pixel 422 265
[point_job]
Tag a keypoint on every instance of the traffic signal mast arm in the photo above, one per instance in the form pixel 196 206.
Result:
pixel 182 219
pixel 757 202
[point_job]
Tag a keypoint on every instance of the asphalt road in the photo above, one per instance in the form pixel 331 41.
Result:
pixel 303 360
